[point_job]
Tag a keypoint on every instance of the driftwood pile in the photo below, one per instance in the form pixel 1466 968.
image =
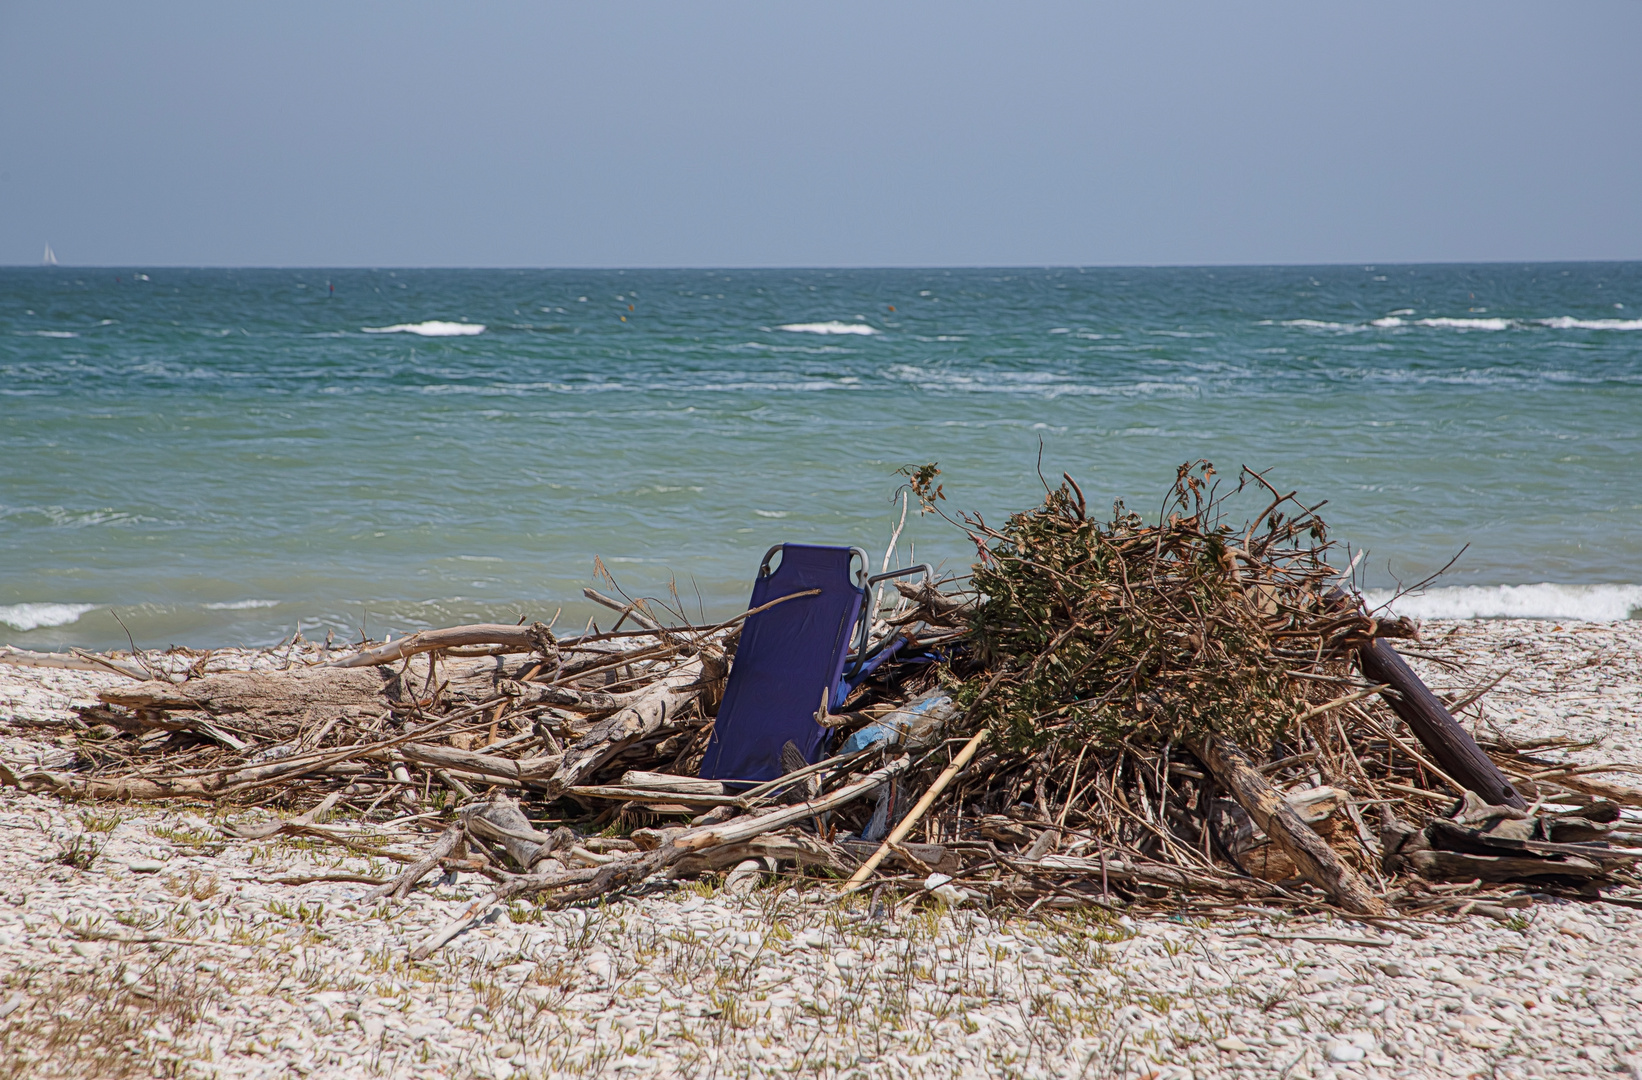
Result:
pixel 1180 713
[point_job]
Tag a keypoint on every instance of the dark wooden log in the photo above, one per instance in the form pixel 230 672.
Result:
pixel 1459 866
pixel 1312 856
pixel 1431 722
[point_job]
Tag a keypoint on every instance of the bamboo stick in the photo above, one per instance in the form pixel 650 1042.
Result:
pixel 900 831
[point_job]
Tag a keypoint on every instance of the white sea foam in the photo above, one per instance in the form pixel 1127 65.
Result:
pixel 1467 324
pixel 240 605
pixel 833 327
pixel 1568 322
pixel 431 328
pixel 1547 600
pixel 1395 320
pixel 1318 324
pixel 27 617
pixel 771 513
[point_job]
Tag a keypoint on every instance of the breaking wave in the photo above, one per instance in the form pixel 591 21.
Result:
pixel 26 617
pixel 1568 322
pixel 1546 600
pixel 1496 323
pixel 240 605
pixel 834 327
pixel 1467 324
pixel 431 328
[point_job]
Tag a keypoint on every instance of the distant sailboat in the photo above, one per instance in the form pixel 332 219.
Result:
pixel 50 258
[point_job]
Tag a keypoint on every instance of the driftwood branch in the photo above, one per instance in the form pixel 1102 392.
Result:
pixel 1431 722
pixel 631 611
pixel 533 638
pixel 643 716
pixel 559 888
pixel 10 654
pixel 400 887
pixel 1317 862
pixel 745 828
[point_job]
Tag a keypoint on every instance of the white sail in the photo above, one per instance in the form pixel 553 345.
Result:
pixel 50 258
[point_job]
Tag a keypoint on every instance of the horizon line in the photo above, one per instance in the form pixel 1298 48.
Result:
pixel 1365 263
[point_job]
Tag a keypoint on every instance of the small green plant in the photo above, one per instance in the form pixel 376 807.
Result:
pixel 95 821
pixel 518 911
pixel 185 835
pixel 301 913
pixel 79 853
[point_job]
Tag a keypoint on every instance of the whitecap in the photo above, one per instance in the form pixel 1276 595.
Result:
pixel 240 605
pixel 1387 322
pixel 431 328
pixel 771 513
pixel 27 617
pixel 1317 324
pixel 1568 322
pixel 1466 324
pixel 52 333
pixel 1546 600
pixel 833 327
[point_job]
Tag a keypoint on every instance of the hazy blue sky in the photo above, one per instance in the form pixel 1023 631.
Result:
pixel 648 134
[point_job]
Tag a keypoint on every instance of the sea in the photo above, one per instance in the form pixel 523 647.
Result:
pixel 208 457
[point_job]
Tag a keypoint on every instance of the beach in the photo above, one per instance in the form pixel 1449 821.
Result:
pixel 855 542
pixel 178 947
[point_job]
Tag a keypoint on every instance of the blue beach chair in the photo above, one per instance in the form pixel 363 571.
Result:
pixel 793 653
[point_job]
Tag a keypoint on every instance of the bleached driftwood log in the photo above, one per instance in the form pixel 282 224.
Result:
pixel 75 661
pixel 1316 861
pixel 274 705
pixel 645 714
pixel 535 637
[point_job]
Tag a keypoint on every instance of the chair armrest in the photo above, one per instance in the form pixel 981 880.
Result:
pixel 916 568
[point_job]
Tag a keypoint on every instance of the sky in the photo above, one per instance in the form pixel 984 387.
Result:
pixel 839 134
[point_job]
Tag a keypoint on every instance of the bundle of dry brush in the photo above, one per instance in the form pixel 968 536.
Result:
pixel 1193 712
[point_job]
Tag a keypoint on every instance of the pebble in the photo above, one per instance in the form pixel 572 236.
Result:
pixel 777 980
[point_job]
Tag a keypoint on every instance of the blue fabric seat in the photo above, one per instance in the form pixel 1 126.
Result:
pixel 790 655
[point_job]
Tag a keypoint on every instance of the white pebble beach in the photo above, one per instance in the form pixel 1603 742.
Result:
pixel 176 953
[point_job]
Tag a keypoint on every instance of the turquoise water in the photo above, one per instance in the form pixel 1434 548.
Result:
pixel 223 455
